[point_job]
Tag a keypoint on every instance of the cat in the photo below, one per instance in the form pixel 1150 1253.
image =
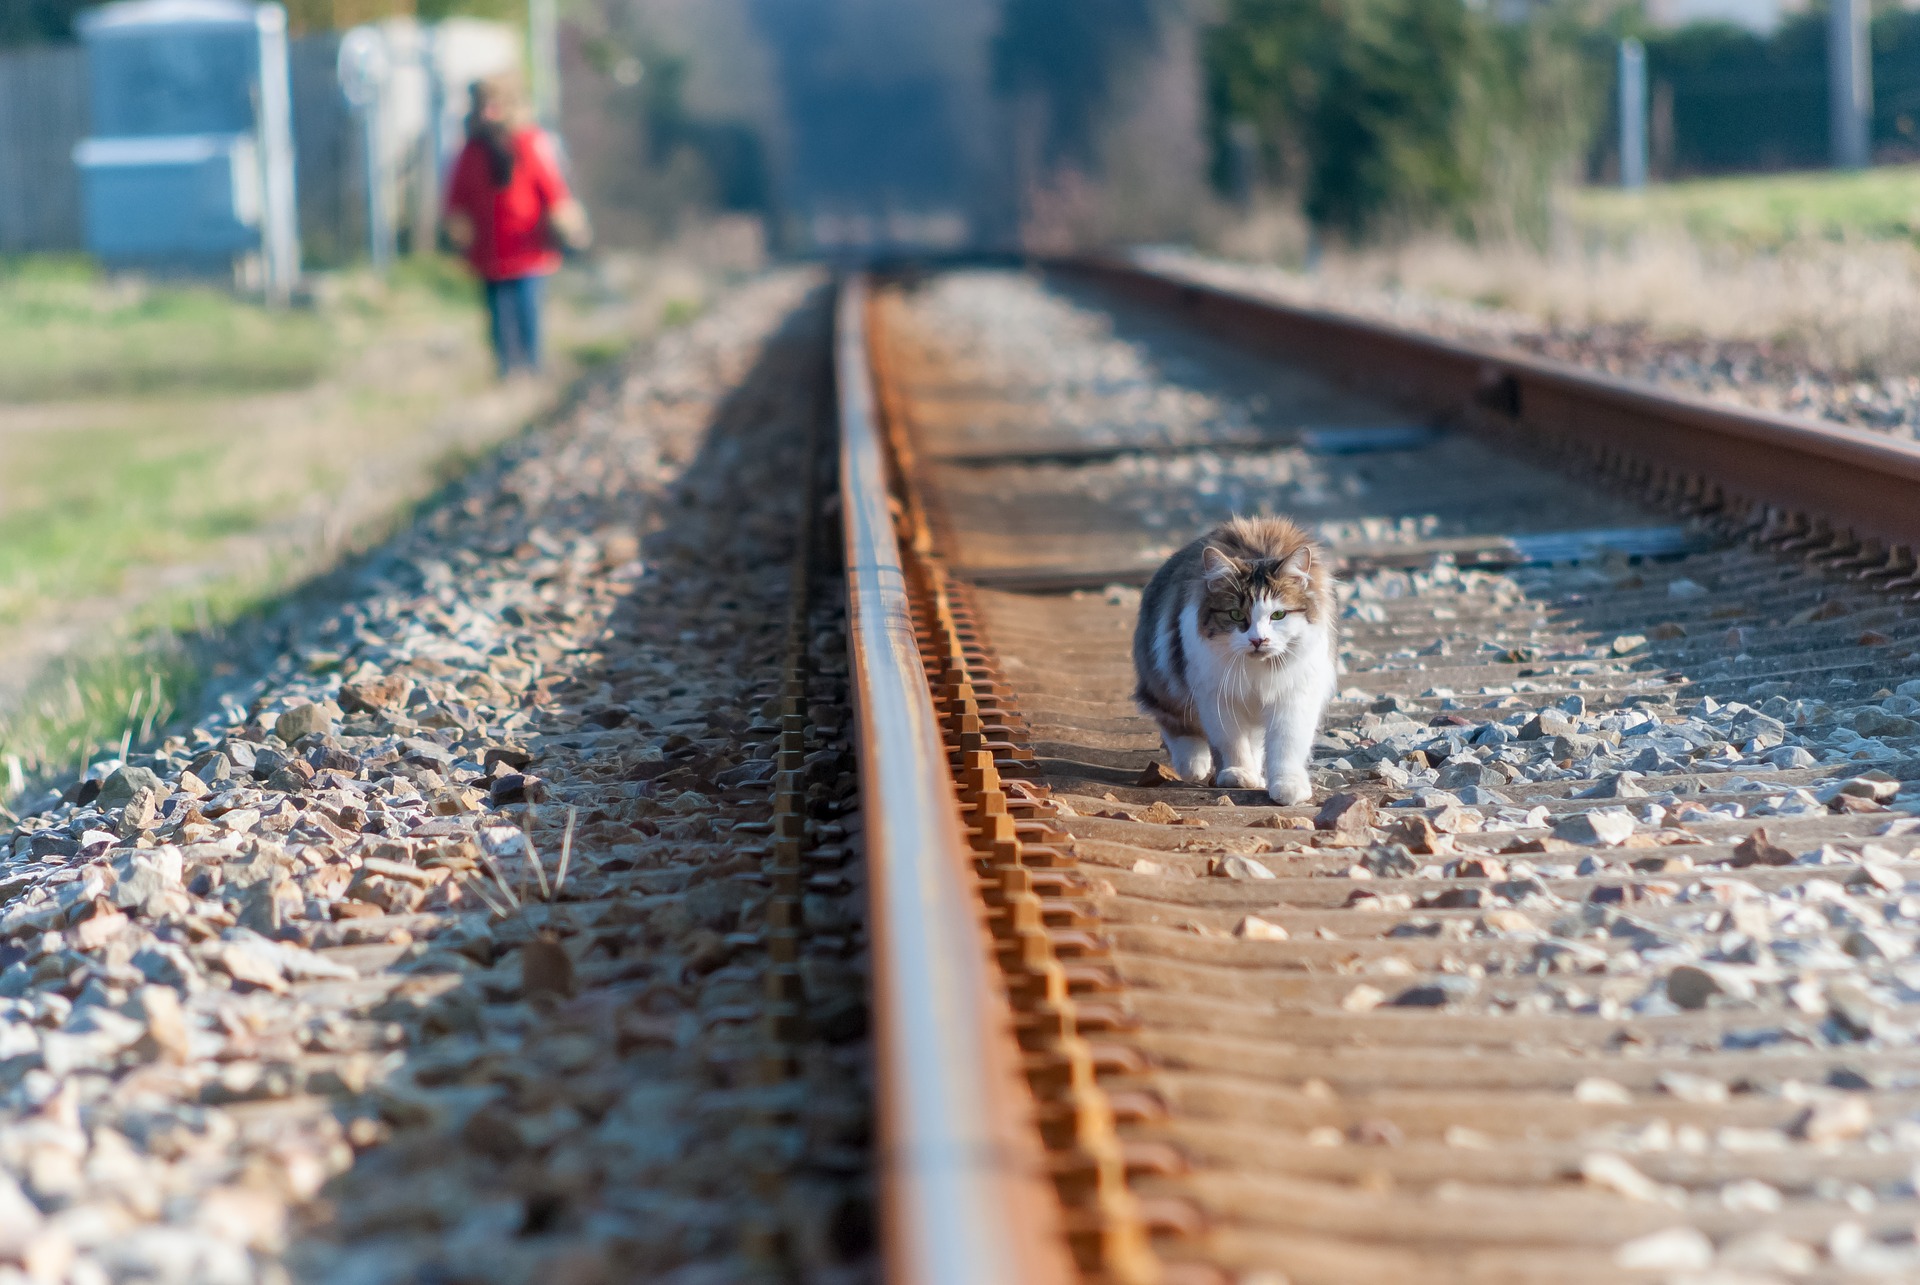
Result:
pixel 1236 652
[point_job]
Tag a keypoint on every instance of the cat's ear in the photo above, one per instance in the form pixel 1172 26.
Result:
pixel 1217 566
pixel 1299 563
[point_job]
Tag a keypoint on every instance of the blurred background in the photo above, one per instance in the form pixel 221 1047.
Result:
pixel 233 350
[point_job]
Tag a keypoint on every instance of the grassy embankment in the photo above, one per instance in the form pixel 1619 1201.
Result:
pixel 172 459
pixel 1767 211
pixel 1825 265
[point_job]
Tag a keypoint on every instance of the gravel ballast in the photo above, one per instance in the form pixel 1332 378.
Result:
pixel 301 995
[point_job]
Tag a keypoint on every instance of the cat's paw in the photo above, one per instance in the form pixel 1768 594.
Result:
pixel 1291 789
pixel 1237 778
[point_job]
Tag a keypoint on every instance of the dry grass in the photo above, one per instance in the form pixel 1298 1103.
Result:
pixel 1844 305
pixel 1815 264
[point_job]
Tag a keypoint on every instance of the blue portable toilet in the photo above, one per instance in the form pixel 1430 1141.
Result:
pixel 189 167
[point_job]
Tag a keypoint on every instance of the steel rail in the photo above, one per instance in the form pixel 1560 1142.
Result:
pixel 1865 482
pixel 964 1196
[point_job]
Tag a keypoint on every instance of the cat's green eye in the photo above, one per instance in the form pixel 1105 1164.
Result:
pixel 1237 616
pixel 1280 615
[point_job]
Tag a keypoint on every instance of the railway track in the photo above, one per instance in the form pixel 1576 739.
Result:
pixel 1592 958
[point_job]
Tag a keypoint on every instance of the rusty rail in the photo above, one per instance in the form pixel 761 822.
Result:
pixel 1775 476
pixel 964 1195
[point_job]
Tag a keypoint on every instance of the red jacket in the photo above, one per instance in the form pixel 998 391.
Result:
pixel 510 237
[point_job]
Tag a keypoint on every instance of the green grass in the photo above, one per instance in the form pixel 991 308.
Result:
pixel 167 452
pixel 679 312
pixel 81 511
pixel 1761 212
pixel 109 697
pixel 66 331
pixel 144 427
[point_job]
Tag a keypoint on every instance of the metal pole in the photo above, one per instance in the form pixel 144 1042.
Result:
pixel 379 216
pixel 1633 114
pixel 364 66
pixel 543 51
pixel 1850 84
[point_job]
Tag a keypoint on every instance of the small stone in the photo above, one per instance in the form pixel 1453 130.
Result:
pixel 249 962
pixel 1363 999
pixel 1377 1131
pixel 1437 994
pixel 1602 1092
pixel 1156 774
pixel 1688 1087
pixel 1833 1120
pixel 1677 1249
pixel 120 787
pixel 1506 921
pixel 546 968
pixel 1452 819
pixel 1546 724
pixel 1160 812
pixel 1254 928
pixel 1768 1252
pixel 159 1008
pixel 1345 814
pixel 138 815
pixel 291 777
pixel 102 926
pixel 1615 785
pixel 213 767
pixel 1281 821
pixel 516 759
pixel 1873 721
pixel 1390 861
pixel 1238 867
pixel 1419 836
pixel 1603 827
pixel 1616 1174
pixel 1872 877
pixel 1627 644
pixel 1854 1010
pixel 1758 850
pixel 375 695
pixel 1875 789
pixel 304 720
pixel 1693 987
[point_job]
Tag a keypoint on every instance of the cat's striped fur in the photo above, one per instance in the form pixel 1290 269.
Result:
pixel 1236 654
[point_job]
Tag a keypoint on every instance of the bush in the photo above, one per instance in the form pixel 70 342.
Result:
pixel 1402 112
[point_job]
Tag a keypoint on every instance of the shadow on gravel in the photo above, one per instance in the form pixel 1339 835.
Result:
pixel 588 1090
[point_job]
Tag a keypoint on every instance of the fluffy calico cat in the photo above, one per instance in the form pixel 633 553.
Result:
pixel 1236 656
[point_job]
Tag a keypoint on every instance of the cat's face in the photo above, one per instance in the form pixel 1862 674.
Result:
pixel 1255 611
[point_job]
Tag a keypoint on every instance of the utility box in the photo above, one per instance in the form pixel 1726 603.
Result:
pixel 189 168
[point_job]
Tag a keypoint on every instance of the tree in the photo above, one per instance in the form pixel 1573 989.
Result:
pixel 36 22
pixel 1398 111
pixel 1069 56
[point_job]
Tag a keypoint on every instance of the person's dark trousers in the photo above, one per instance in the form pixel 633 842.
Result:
pixel 513 307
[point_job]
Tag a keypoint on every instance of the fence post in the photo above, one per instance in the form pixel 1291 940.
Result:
pixel 1850 84
pixel 1633 114
pixel 364 69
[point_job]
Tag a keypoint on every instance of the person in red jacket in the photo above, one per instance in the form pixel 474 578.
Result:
pixel 509 211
